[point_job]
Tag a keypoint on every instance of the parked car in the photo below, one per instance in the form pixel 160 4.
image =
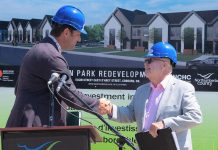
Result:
pixel 94 43
pixel 208 63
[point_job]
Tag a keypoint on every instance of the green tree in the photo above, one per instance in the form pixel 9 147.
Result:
pixel 95 32
pixel 90 33
pixel 98 29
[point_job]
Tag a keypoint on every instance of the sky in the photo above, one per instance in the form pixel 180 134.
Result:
pixel 97 11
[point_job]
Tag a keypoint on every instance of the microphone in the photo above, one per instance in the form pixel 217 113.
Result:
pixel 62 81
pixel 54 77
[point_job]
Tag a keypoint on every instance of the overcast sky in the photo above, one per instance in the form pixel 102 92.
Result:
pixel 97 11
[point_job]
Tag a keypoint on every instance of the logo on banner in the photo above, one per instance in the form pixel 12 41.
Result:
pixel 40 147
pixel 205 79
pixel 185 77
pixel 1 73
pixel 6 75
pixel 206 76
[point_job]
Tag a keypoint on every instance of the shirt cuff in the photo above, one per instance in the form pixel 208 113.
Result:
pixel 114 113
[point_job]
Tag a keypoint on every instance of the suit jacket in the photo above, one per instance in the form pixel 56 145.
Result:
pixel 178 109
pixel 32 104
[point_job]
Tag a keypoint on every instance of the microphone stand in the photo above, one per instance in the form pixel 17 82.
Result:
pixel 51 108
pixel 122 140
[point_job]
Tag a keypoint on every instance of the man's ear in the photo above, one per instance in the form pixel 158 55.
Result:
pixel 66 31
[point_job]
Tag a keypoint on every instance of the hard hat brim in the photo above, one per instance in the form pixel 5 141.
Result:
pixel 83 31
pixel 151 56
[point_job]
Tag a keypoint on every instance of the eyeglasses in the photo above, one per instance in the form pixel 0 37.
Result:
pixel 150 60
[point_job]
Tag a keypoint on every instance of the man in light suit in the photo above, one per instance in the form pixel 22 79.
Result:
pixel 164 102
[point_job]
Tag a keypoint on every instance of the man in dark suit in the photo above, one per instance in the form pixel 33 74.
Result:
pixel 31 107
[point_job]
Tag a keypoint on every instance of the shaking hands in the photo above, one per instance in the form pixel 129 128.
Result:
pixel 105 106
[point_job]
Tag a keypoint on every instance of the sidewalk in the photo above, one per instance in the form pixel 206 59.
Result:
pixel 107 55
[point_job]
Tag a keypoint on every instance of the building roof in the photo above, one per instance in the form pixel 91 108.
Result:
pixel 136 17
pixel 16 21
pixel 46 17
pixel 35 22
pixel 209 15
pixel 112 15
pixel 142 20
pixel 4 25
pixel 127 13
pixel 49 17
pixel 174 18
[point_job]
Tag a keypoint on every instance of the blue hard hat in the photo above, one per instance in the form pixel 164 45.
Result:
pixel 162 50
pixel 71 16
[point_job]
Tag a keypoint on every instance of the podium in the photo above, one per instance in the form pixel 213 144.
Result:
pixel 54 138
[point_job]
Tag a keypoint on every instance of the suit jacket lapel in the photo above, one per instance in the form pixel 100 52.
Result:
pixel 49 40
pixel 145 97
pixel 147 93
pixel 165 97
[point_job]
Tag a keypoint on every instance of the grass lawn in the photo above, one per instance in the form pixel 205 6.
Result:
pixel 130 53
pixel 18 44
pixel 121 53
pixel 141 54
pixel 204 136
pixel 187 57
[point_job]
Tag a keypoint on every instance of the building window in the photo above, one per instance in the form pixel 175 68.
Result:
pixel 10 35
pixel 216 33
pixel 172 32
pixel 138 32
pixel 20 35
pixel 145 34
pixel 188 38
pixel 46 32
pixel 175 33
pixel 112 37
pixel 28 36
pixel 199 39
pixel 134 32
pixel 157 35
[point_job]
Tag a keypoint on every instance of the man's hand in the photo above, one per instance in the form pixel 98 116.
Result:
pixel 105 106
pixel 154 127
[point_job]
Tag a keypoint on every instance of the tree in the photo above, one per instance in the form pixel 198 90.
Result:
pixel 95 32
pixel 90 33
pixel 98 29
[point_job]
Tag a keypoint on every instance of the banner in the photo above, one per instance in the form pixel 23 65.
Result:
pixel 8 75
pixel 119 78
pixel 119 85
